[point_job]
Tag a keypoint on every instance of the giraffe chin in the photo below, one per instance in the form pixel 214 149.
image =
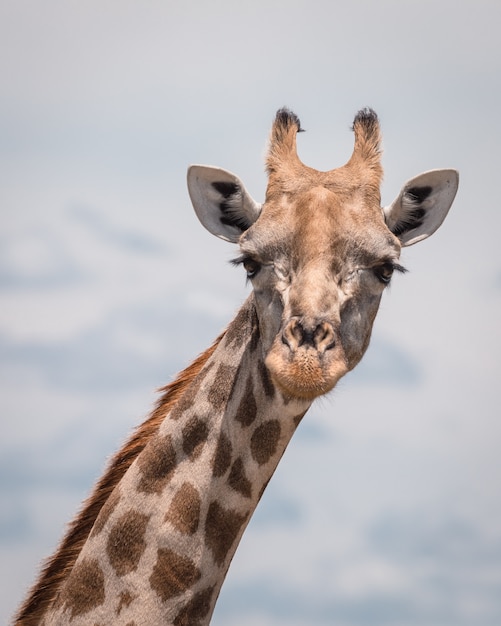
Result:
pixel 304 374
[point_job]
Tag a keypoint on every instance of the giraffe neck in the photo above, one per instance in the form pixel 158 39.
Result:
pixel 162 544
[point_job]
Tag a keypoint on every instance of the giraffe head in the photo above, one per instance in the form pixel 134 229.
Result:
pixel 320 250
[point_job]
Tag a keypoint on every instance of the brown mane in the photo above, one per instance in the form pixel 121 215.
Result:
pixel 58 566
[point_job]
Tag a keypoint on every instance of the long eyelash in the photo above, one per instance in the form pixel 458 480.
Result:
pixel 239 260
pixel 399 268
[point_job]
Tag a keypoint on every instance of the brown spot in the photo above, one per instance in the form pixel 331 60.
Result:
pixel 157 462
pixel 247 409
pixel 237 331
pixel 126 542
pixel 298 418
pixel 222 456
pixel 196 609
pixel 106 511
pixel 184 511
pixel 125 600
pixel 237 379
pixel 221 529
pixel 255 337
pixel 173 574
pixel 268 387
pixel 221 387
pixel 263 488
pixel 195 434
pixel 186 400
pixel 264 441
pixel 286 398
pixel 238 480
pixel 84 588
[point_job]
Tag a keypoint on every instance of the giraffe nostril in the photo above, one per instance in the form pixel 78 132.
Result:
pixel 320 336
pixel 292 334
pixel 324 336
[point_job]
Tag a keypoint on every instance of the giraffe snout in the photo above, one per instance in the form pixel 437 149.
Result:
pixel 318 335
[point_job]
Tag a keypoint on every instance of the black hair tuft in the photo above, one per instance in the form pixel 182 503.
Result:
pixel 368 119
pixel 285 117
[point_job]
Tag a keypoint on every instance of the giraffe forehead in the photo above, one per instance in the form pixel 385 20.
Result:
pixel 321 223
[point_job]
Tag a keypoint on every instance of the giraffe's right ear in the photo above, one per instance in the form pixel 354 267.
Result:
pixel 221 201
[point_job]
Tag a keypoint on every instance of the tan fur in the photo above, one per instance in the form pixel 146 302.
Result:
pixel 287 173
pixel 58 566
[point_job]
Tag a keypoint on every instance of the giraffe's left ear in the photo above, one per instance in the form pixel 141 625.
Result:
pixel 422 205
pixel 221 202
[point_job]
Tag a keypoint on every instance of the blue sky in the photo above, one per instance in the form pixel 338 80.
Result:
pixel 386 508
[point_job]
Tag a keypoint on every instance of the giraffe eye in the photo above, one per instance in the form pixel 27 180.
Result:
pixel 384 272
pixel 251 266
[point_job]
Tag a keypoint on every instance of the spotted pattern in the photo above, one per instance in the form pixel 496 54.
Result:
pixel 268 387
pixel 84 588
pixel 221 529
pixel 124 601
pixel 264 441
pixel 222 387
pixel 188 398
pixel 126 542
pixel 184 511
pixel 237 330
pixel 106 511
pixel 247 409
pixel 238 480
pixel 196 609
pixel 195 435
pixel 222 456
pixel 173 574
pixel 156 462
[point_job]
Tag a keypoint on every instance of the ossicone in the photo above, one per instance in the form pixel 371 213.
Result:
pixel 367 147
pixel 282 151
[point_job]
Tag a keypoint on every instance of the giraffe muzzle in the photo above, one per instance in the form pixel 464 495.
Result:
pixel 306 358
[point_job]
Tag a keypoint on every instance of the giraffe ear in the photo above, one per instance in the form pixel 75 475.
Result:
pixel 422 205
pixel 221 202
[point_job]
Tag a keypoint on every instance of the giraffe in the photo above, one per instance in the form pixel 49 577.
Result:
pixel 153 542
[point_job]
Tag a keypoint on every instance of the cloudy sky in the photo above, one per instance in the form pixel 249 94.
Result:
pixel 386 508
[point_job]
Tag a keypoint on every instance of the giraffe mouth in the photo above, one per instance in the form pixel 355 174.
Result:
pixel 304 374
pixel 303 370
